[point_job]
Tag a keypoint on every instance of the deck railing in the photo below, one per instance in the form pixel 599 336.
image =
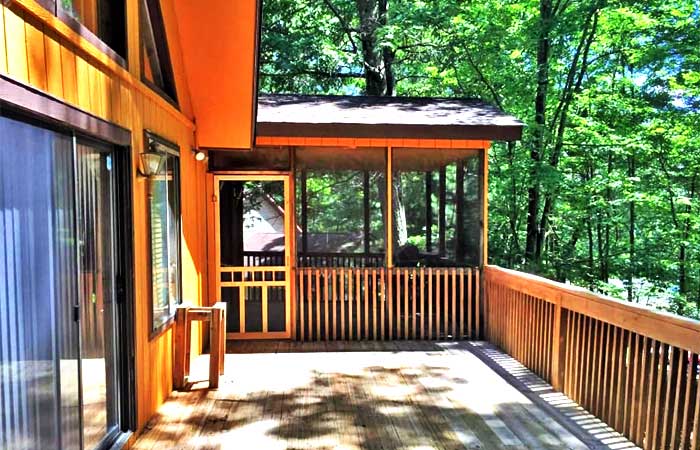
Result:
pixel 276 258
pixel 380 303
pixel 634 368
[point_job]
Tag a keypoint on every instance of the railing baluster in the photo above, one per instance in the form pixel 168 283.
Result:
pixel 334 275
pixel 690 370
pixel 422 303
pixel 397 301
pixel 446 298
pixel 414 277
pixel 326 299
pixel 382 307
pixel 366 290
pixel 430 303
pixel 358 304
pixel 374 305
pixel 302 334
pixel 406 311
pixel 341 282
pixel 351 289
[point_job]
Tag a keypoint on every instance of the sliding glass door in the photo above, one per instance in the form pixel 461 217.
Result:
pixel 38 337
pixel 95 195
pixel 58 350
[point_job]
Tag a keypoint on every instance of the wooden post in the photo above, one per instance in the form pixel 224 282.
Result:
pixel 558 348
pixel 442 220
pixel 459 211
pixel 304 217
pixel 485 211
pixel 179 353
pixel 428 211
pixel 215 348
pixel 389 207
pixel 365 208
pixel 291 221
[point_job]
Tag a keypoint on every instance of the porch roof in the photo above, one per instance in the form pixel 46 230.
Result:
pixel 383 117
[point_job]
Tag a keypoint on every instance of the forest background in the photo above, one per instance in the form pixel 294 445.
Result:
pixel 603 191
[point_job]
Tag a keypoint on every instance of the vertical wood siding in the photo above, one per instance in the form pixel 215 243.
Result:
pixel 38 50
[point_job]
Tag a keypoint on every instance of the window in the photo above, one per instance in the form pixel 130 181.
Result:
pixel 164 199
pixel 438 207
pixel 340 205
pixel 156 68
pixel 106 19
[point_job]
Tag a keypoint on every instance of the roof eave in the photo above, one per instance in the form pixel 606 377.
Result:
pixel 390 131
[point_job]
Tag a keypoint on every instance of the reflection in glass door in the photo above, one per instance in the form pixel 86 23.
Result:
pixel 95 196
pixel 253 255
pixel 58 379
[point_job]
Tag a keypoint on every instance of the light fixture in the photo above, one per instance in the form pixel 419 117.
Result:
pixel 199 155
pixel 151 162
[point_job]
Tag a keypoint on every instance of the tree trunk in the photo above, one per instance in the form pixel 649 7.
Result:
pixel 538 142
pixel 377 62
pixel 631 172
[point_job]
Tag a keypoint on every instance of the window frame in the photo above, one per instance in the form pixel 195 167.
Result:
pixel 168 148
pixel 160 35
pixel 54 7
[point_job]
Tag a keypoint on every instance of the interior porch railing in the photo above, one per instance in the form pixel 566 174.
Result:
pixel 632 367
pixel 314 259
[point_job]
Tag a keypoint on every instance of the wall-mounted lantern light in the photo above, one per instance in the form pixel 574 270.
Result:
pixel 199 155
pixel 151 162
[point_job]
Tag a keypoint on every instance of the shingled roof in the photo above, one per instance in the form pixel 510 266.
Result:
pixel 383 117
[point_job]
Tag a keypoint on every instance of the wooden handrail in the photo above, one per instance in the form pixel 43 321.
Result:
pixel 633 367
pixel 662 326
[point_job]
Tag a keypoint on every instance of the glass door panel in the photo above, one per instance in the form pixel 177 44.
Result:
pixel 39 402
pixel 96 285
pixel 253 254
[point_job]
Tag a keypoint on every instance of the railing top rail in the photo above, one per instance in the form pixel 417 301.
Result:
pixel 239 269
pixel 672 329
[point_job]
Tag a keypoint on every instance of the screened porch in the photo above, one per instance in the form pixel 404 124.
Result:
pixel 324 233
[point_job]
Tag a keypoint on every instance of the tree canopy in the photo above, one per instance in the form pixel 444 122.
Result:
pixel 603 190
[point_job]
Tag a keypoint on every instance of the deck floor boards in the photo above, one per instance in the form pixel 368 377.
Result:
pixel 372 395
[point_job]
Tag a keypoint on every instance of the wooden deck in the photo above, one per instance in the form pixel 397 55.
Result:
pixel 373 395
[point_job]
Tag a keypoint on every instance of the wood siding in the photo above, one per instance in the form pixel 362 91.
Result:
pixel 632 367
pixel 39 50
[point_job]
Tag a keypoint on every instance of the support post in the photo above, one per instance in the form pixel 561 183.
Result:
pixel 442 220
pixel 365 208
pixel 558 348
pixel 485 210
pixel 428 211
pixel 304 217
pixel 389 207
pixel 291 240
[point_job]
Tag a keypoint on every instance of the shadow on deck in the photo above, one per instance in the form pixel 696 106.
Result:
pixel 373 395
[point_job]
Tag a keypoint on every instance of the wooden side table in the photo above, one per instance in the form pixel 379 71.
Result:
pixel 184 315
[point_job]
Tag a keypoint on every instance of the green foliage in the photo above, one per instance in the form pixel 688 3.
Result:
pixel 620 156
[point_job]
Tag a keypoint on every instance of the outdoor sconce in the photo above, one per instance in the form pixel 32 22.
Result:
pixel 199 155
pixel 151 162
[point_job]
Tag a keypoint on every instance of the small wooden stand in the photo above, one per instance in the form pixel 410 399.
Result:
pixel 184 315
